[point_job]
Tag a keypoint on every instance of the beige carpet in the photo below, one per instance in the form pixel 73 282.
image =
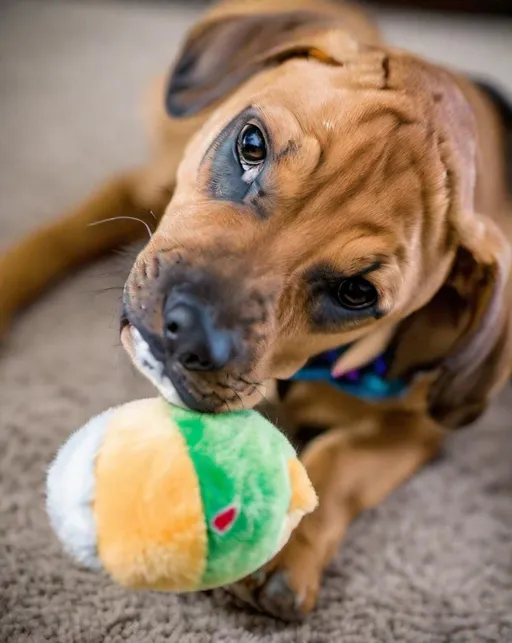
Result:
pixel 433 564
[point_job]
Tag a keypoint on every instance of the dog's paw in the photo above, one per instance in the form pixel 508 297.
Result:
pixel 286 588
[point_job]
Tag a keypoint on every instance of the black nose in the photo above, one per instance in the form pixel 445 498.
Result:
pixel 192 337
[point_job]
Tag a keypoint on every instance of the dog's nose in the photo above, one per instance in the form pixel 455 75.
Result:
pixel 192 337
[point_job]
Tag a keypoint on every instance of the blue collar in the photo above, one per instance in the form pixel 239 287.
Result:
pixel 368 382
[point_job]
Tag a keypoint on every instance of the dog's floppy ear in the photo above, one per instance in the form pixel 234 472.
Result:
pixel 478 361
pixel 464 331
pixel 221 54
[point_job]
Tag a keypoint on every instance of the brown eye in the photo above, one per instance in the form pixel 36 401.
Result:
pixel 356 293
pixel 251 146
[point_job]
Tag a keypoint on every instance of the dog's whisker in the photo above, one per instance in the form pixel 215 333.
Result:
pixel 254 387
pixel 126 254
pixel 265 399
pixel 249 383
pixel 222 400
pixel 112 273
pixel 95 223
pixel 115 316
pixel 101 291
pixel 240 399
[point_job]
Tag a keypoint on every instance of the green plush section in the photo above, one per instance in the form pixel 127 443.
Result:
pixel 240 459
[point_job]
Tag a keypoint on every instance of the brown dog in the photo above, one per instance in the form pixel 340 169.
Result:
pixel 327 191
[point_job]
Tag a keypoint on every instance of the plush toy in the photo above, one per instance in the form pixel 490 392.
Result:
pixel 165 498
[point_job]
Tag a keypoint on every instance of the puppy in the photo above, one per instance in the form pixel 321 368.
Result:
pixel 334 216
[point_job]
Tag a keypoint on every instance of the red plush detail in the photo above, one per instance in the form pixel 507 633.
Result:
pixel 224 519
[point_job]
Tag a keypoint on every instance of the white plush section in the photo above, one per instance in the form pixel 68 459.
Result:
pixel 70 491
pixel 151 368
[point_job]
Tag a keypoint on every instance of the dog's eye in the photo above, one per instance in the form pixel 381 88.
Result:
pixel 356 293
pixel 251 147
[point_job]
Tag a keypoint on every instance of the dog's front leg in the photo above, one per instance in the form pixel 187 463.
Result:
pixel 351 470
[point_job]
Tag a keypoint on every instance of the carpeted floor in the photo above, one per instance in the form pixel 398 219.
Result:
pixel 433 564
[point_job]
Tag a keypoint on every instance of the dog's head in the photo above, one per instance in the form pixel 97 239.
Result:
pixel 328 197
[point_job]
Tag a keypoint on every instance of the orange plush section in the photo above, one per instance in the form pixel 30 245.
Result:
pixel 303 497
pixel 148 509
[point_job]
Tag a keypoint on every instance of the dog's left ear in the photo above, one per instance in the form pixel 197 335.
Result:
pixel 463 333
pixel 478 361
pixel 222 53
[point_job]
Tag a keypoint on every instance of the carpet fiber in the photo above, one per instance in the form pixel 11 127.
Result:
pixel 432 564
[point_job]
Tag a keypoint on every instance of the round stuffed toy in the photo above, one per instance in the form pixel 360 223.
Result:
pixel 166 498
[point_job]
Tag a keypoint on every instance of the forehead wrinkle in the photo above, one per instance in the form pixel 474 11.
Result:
pixel 361 243
pixel 388 206
pixel 366 143
pixel 361 252
pixel 369 228
pixel 328 191
pixel 355 172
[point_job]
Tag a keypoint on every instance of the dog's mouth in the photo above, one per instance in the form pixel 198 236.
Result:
pixel 171 386
pixel 175 386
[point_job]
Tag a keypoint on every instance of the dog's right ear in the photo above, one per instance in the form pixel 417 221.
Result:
pixel 224 52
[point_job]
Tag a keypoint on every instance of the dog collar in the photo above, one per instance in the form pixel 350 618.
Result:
pixel 368 382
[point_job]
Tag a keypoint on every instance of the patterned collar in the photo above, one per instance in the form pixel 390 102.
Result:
pixel 368 382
